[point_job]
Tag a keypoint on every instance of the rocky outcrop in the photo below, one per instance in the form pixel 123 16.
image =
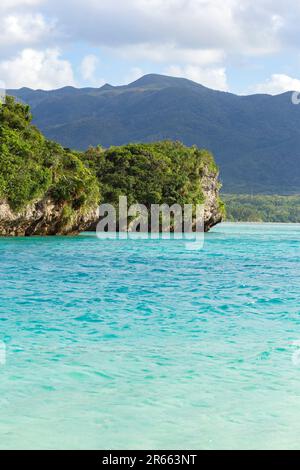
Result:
pixel 59 189
pixel 46 189
pixel 213 207
pixel 214 211
pixel 44 217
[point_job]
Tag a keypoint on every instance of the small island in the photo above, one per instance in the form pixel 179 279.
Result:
pixel 46 189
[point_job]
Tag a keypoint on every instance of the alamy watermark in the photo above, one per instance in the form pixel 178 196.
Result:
pixel 156 221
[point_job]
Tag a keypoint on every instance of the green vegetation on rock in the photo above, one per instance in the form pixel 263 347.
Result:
pixel 36 170
pixel 157 173
pixel 32 167
pixel 261 208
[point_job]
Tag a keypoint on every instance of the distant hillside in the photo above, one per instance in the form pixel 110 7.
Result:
pixel 255 139
pixel 248 208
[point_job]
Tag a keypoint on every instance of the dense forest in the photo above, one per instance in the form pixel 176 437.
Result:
pixel 32 166
pixel 162 172
pixel 247 208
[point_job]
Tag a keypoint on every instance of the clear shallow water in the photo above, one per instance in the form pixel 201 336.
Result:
pixel 142 344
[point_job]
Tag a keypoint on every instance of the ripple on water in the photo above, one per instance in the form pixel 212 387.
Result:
pixel 142 344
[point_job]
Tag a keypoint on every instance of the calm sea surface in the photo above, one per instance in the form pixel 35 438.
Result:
pixel 143 344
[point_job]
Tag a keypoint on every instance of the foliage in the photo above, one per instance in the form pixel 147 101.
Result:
pixel 261 208
pixel 157 173
pixel 31 166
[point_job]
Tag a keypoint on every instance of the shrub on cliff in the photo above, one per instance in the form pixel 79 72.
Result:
pixel 154 173
pixel 32 167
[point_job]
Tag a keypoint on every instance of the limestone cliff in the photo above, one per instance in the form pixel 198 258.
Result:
pixel 44 217
pixel 213 207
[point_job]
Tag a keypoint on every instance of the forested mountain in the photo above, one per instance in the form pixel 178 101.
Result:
pixel 255 139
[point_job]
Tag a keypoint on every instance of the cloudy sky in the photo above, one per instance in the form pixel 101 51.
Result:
pixel 242 46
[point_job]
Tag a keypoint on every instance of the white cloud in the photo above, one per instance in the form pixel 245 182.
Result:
pixel 37 69
pixel 184 23
pixel 278 83
pixel 211 77
pixel 134 74
pixel 169 53
pixel 230 25
pixel 24 29
pixel 239 26
pixel 9 4
pixel 201 37
pixel 88 67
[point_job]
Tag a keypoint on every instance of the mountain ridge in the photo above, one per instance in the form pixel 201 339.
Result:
pixel 255 138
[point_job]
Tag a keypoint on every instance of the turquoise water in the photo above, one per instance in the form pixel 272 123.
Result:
pixel 143 344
